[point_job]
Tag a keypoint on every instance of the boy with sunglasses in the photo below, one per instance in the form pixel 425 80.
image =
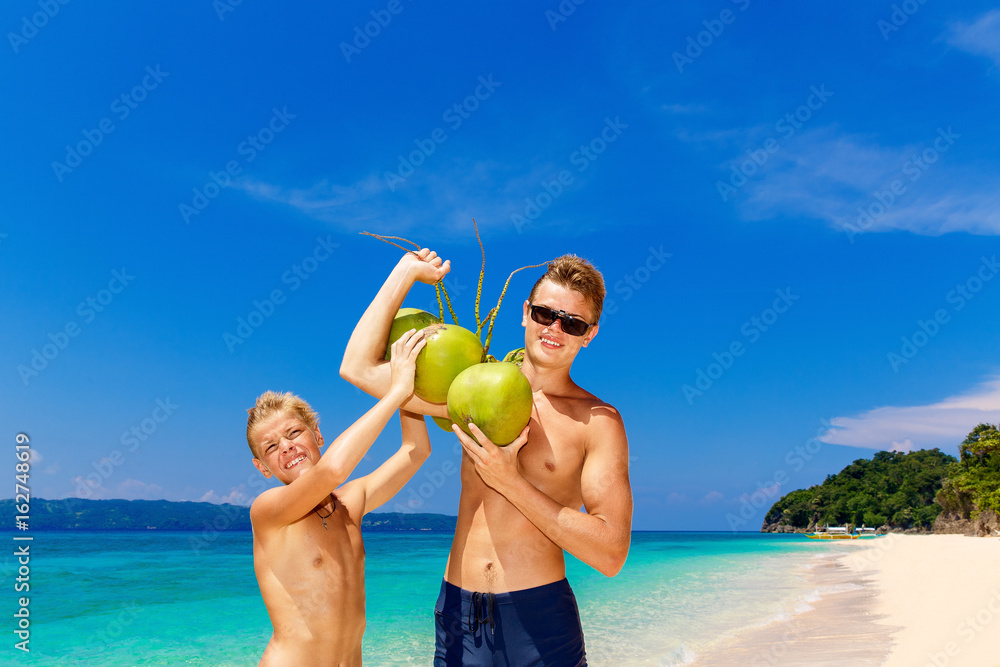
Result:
pixel 505 596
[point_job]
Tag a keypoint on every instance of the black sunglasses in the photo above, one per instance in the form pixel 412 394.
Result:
pixel 573 326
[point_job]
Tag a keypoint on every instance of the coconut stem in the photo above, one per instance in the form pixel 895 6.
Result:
pixel 398 238
pixel 448 299
pixel 439 285
pixel 479 331
pixel 492 320
pixel 437 290
pixel 482 273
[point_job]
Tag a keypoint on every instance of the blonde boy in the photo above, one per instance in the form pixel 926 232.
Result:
pixel 308 553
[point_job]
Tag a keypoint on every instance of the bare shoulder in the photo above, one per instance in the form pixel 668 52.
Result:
pixel 262 512
pixel 260 506
pixel 595 412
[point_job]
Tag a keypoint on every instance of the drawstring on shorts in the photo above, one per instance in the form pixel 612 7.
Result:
pixel 480 613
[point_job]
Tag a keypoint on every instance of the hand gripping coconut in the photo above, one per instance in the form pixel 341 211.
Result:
pixel 455 367
pixel 496 397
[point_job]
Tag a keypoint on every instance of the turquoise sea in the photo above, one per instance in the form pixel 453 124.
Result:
pixel 162 598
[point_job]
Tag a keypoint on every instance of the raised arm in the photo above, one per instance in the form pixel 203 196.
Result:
pixel 385 482
pixel 363 364
pixel 601 536
pixel 283 505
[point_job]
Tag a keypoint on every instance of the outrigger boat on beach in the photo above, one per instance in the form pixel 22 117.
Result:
pixel 843 533
pixel 832 533
pixel 864 533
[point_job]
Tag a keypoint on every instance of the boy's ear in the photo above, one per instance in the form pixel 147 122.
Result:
pixel 590 334
pixel 524 314
pixel 319 438
pixel 262 468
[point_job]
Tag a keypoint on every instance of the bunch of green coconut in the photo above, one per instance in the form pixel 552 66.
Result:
pixel 455 366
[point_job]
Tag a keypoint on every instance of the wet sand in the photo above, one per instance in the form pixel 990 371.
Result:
pixel 898 601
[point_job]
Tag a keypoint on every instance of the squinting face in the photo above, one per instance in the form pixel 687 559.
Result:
pixel 285 447
pixel 549 343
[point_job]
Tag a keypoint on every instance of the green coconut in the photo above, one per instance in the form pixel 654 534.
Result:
pixel 444 423
pixel 450 350
pixel 406 319
pixel 495 397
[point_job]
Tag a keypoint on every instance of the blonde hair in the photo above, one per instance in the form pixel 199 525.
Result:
pixel 271 403
pixel 579 275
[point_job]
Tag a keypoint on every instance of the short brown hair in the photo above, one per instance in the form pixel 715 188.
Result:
pixel 270 403
pixel 579 275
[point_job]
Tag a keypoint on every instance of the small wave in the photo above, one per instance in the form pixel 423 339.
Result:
pixel 678 657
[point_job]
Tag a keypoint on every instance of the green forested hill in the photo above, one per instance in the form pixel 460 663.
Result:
pixel 892 489
pixel 973 483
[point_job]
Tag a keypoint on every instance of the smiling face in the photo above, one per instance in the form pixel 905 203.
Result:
pixel 549 344
pixel 285 447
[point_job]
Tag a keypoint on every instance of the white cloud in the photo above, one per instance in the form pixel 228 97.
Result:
pixel 237 496
pixel 85 487
pixel 847 180
pixel 943 424
pixel 444 199
pixel 712 496
pixel 981 37
pixel 133 489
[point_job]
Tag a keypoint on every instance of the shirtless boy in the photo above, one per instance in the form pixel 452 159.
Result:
pixel 505 597
pixel 307 548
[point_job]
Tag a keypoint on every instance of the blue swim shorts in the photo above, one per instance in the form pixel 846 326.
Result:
pixel 535 626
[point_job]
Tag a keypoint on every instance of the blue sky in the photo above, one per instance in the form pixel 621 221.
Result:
pixel 795 207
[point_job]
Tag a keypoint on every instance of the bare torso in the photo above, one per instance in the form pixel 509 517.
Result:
pixel 496 549
pixel 313 585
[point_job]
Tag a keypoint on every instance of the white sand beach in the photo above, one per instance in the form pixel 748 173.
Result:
pixel 897 601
